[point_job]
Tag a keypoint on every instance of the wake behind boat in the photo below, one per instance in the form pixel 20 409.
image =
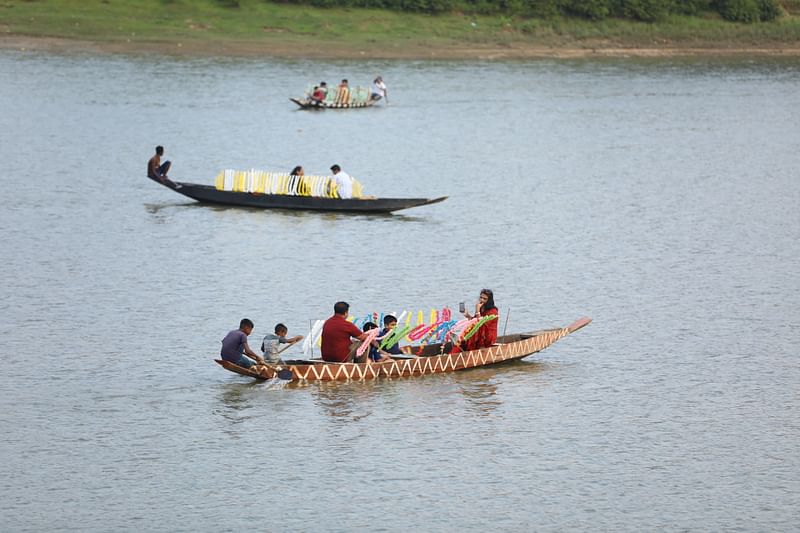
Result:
pixel 430 359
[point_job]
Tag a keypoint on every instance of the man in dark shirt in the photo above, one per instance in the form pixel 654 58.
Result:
pixel 337 333
pixel 235 348
pixel 389 323
pixel 156 170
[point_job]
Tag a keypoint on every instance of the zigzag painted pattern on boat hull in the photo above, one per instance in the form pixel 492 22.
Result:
pixel 416 366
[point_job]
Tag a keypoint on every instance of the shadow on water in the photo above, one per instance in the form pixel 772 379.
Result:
pixel 346 401
pixel 236 400
pixel 156 208
pixel 483 388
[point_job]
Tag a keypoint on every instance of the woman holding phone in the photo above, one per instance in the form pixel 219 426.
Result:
pixel 487 333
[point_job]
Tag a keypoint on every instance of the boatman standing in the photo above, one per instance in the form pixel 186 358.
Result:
pixel 378 90
pixel 337 334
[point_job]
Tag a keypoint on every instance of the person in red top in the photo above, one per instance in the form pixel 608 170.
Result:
pixel 337 333
pixel 318 96
pixel 487 333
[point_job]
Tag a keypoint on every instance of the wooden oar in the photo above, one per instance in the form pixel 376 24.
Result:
pixel 284 373
pixel 286 347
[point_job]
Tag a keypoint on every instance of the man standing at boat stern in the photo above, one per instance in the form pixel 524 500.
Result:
pixel 337 333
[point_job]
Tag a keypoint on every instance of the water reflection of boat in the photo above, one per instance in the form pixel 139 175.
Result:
pixel 211 195
pixel 430 361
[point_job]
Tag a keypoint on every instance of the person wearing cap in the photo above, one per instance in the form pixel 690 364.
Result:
pixel 378 90
pixel 343 181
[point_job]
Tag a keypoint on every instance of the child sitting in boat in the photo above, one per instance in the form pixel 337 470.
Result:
pixel 270 344
pixel 389 323
pixel 376 355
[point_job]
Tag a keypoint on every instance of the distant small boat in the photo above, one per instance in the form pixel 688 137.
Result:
pixel 354 98
pixel 211 195
pixel 430 361
pixel 307 103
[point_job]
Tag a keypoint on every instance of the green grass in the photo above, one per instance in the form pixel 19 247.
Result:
pixel 257 22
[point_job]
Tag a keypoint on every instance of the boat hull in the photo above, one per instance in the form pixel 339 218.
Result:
pixel 211 195
pixel 507 348
pixel 309 104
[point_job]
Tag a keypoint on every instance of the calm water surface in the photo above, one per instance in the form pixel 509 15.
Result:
pixel 659 198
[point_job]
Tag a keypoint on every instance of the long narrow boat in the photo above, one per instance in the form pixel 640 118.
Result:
pixel 430 361
pixel 306 103
pixel 211 195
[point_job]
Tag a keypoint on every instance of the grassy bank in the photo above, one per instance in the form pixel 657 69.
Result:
pixel 259 27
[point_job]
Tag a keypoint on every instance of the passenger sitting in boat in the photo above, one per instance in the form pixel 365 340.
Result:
pixel 235 348
pixel 375 353
pixel 295 178
pixel 343 181
pixel 155 169
pixel 342 94
pixel 487 333
pixel 337 333
pixel 318 96
pixel 389 323
pixel 271 343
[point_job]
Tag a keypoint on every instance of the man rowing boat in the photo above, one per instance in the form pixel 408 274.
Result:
pixel 378 90
pixel 235 348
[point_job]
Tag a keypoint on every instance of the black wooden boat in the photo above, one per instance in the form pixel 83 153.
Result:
pixel 306 103
pixel 211 195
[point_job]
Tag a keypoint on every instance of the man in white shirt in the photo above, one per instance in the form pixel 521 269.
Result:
pixel 344 183
pixel 378 90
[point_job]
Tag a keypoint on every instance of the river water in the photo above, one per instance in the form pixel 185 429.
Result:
pixel 658 197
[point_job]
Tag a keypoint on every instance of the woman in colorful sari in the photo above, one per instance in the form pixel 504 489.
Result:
pixel 487 333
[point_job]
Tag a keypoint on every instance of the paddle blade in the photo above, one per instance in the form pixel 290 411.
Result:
pixel 285 374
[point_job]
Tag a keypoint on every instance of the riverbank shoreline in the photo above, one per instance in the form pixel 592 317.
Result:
pixel 295 50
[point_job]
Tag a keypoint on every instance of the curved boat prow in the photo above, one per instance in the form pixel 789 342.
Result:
pixel 435 200
pixel 578 324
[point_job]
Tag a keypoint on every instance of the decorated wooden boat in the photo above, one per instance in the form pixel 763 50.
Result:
pixel 430 361
pixel 307 103
pixel 212 195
